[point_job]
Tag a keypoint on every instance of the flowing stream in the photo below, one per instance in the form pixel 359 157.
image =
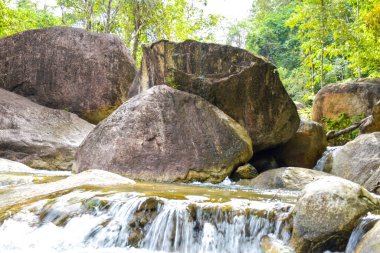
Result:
pixel 142 217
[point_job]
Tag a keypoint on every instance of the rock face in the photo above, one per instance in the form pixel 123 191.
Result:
pixel 245 87
pixel 370 243
pixel 358 161
pixel 290 178
pixel 37 136
pixel 372 124
pixel 86 73
pixel 166 135
pixel 247 171
pixel 27 193
pixel 327 212
pixel 353 98
pixel 305 148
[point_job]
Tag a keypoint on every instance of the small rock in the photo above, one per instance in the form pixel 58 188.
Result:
pixel 246 171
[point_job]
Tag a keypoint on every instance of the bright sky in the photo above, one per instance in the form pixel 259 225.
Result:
pixel 233 10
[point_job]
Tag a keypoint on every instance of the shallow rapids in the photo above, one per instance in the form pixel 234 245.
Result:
pixel 145 217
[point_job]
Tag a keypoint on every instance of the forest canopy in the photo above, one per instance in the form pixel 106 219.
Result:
pixel 312 42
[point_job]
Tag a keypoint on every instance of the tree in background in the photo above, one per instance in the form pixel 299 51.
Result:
pixel 315 42
pixel 26 15
pixel 140 22
pixel 137 22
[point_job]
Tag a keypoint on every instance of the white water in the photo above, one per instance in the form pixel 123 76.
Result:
pixel 365 224
pixel 99 222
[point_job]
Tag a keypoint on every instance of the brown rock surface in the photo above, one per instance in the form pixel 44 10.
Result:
pixel 352 98
pixel 166 135
pixel 372 124
pixel 244 86
pixel 305 148
pixel 86 73
pixel 38 136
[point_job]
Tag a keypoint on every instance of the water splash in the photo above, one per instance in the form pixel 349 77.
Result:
pixel 93 221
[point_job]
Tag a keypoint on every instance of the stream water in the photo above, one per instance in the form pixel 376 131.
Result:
pixel 141 217
pixel 41 212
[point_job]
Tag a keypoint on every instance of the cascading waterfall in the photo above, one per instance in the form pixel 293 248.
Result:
pixel 93 221
pixel 365 224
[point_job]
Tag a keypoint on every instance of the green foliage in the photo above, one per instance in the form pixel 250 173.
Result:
pixel 140 22
pixel 26 16
pixel 342 122
pixel 305 112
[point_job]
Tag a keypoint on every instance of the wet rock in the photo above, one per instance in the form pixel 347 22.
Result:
pixel 145 214
pixel 372 124
pixel 291 178
pixel 327 212
pixel 352 98
pixel 67 68
pixel 358 161
pixel 246 171
pixel 18 196
pixel 305 148
pixel 166 135
pixel 38 136
pixel 370 243
pixel 244 86
pixel 15 167
pixel 269 244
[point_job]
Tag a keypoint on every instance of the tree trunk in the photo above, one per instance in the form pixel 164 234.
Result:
pixel 323 42
pixel 107 27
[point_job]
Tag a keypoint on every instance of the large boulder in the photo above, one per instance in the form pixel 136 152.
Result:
pixel 352 98
pixel 327 212
pixel 166 135
pixel 305 148
pixel 244 86
pixel 291 178
pixel 37 136
pixel 86 73
pixel 358 161
pixel 370 243
pixel 372 123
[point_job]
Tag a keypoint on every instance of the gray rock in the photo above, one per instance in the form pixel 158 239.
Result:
pixel 166 135
pixel 352 98
pixel 327 212
pixel 305 148
pixel 358 161
pixel 37 136
pixel 244 86
pixel 86 73
pixel 290 178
